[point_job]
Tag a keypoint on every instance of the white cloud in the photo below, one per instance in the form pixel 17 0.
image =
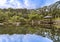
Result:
pixel 29 4
pixel 10 3
pixel 17 4
pixel 50 2
pixel 2 2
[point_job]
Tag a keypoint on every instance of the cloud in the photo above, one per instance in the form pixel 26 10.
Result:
pixel 2 2
pixel 10 3
pixel 29 4
pixel 16 4
pixel 50 2
pixel 33 4
pixel 25 3
pixel 37 3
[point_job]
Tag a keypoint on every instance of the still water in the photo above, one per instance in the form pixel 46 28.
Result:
pixel 23 38
pixel 29 33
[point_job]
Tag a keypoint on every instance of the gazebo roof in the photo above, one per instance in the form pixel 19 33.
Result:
pixel 48 17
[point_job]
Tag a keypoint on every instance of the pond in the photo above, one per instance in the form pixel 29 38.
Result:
pixel 29 33
pixel 23 38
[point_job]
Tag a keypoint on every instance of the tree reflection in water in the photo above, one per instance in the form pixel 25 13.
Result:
pixel 51 32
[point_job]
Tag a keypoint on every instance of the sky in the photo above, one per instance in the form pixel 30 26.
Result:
pixel 29 4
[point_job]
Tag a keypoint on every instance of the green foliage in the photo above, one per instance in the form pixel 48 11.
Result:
pixel 25 16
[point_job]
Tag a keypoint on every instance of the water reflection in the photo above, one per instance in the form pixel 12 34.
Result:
pixel 23 38
pixel 50 33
